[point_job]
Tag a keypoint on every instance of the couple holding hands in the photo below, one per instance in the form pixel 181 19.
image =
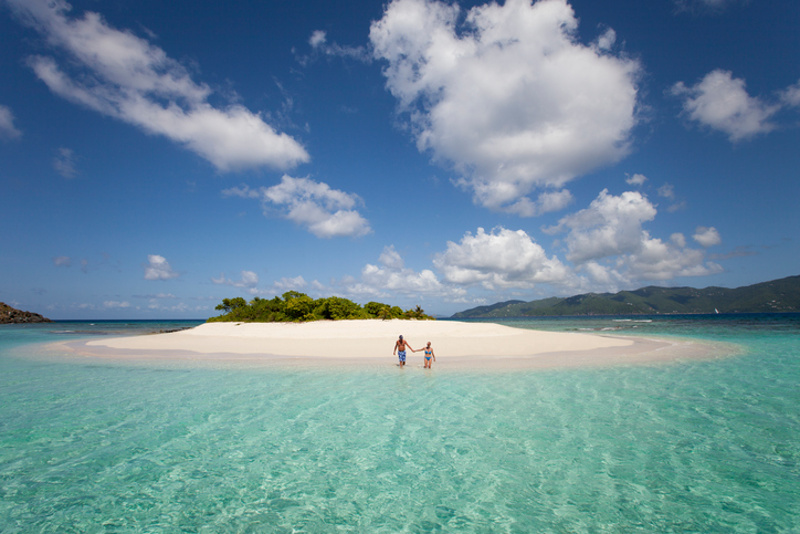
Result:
pixel 400 349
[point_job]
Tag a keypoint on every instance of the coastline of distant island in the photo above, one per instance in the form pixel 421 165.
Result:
pixel 9 315
pixel 776 296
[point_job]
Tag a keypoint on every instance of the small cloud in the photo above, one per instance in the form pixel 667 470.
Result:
pixel 319 43
pixel 393 276
pixel 62 261
pixel 391 258
pixel 738 252
pixel 158 268
pixel 636 179
pixel 157 296
pixel 676 206
pixel 323 211
pixel 64 163
pixel 605 42
pixel 678 239
pixel 705 6
pixel 720 101
pixel 113 304
pixel 7 128
pixel 667 191
pixel 317 39
pixel 249 280
pixel 289 284
pixel 707 237
pixel 548 201
pixel 791 95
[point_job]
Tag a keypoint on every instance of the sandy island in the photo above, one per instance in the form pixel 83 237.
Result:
pixel 370 342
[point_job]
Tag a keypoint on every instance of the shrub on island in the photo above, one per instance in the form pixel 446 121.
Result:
pixel 294 306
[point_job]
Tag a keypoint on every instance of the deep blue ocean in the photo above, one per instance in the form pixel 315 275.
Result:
pixel 705 446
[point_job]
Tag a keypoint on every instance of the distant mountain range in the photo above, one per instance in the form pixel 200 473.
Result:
pixel 769 297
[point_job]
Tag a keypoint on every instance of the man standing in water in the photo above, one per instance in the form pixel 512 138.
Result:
pixel 400 348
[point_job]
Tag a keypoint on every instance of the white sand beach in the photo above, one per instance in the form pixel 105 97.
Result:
pixel 371 342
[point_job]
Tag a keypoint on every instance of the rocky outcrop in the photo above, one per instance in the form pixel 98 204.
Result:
pixel 13 315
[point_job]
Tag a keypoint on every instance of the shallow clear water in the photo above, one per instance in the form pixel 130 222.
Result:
pixel 693 446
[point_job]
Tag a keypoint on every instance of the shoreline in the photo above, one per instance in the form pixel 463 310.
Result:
pixel 457 345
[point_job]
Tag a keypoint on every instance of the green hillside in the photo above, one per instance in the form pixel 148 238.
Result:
pixel 775 296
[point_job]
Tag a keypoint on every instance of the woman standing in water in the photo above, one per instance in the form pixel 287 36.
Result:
pixel 428 355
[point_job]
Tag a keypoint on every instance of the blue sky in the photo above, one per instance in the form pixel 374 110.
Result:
pixel 156 158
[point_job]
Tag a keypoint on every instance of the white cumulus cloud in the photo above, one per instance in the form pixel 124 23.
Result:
pixel 510 97
pixel 500 259
pixel 659 260
pixel 607 240
pixel 707 237
pixel 611 225
pixel 721 102
pixel 390 278
pixel 158 268
pixel 119 74
pixel 324 211
pixel 636 179
pixel 392 275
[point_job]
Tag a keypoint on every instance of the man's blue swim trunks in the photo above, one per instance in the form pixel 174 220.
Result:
pixel 402 355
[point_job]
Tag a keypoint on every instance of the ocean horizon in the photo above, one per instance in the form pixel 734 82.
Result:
pixel 708 445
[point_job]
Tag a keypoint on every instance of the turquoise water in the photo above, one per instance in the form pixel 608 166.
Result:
pixel 693 446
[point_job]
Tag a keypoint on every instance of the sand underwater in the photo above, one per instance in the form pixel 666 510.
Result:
pixel 711 444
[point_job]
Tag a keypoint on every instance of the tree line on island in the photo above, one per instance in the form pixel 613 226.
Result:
pixel 294 306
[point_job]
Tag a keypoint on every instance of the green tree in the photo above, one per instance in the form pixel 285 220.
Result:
pixel 229 305
pixel 337 308
pixel 299 307
pixel 373 309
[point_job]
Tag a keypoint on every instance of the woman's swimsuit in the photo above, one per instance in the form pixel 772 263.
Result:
pixel 427 354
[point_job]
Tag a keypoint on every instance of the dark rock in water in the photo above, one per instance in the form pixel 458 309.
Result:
pixel 13 315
